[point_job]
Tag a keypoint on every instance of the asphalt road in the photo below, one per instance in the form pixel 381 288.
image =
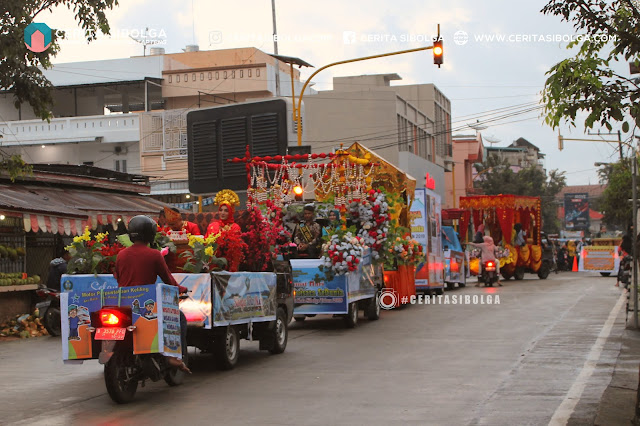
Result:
pixel 544 353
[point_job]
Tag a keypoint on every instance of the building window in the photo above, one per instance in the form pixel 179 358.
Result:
pixel 233 74
pixel 209 76
pixel 186 78
pixel 217 75
pixel 193 77
pixel 224 74
pixel 169 78
pixel 201 76
pixel 249 73
pixel 257 73
pixel 177 78
pixel 121 166
pixel 241 74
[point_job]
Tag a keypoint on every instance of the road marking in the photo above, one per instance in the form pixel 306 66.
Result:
pixel 564 411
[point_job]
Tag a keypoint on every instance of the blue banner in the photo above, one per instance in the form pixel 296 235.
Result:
pixel 242 297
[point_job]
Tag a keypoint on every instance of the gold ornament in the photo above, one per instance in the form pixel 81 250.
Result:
pixel 227 196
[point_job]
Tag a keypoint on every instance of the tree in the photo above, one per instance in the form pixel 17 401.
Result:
pixel 499 178
pixel 586 82
pixel 21 69
pixel 615 198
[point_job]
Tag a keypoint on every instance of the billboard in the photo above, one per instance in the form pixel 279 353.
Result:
pixel 576 211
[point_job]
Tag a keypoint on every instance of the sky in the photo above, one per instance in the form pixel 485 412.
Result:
pixel 496 54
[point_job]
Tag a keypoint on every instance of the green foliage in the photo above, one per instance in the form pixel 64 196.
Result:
pixel 532 181
pixel 14 166
pixel 202 256
pixel 614 202
pixel 587 82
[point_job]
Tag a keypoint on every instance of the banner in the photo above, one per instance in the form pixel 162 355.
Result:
pixel 576 211
pixel 599 259
pixel 154 313
pixel 419 232
pixel 314 294
pixel 197 306
pixel 242 297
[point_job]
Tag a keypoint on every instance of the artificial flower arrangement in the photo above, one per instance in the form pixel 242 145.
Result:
pixel 202 256
pixel 404 250
pixel 259 235
pixel 372 216
pixel 92 255
pixel 342 253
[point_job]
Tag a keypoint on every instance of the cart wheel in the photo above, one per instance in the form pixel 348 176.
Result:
pixel 351 319
pixel 373 310
pixel 544 271
pixel 506 276
pixel 280 333
pixel 462 285
pixel 605 274
pixel 299 318
pixel 227 349
pixel 439 291
pixel 519 275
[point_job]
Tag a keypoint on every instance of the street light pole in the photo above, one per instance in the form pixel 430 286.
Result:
pixel 298 109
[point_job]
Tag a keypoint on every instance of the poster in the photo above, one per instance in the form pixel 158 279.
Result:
pixel 242 297
pixel 436 258
pixel 197 307
pixel 313 294
pixel 154 313
pixel 454 266
pixel 599 259
pixel 576 211
pixel 419 231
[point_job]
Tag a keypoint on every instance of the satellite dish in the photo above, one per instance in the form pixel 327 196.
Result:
pixel 491 139
pixel 477 125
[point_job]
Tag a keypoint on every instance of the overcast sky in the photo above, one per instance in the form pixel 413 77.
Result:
pixel 484 79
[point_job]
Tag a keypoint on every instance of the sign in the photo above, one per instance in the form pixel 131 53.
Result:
pixel 430 183
pixel 419 232
pixel 599 259
pixel 576 211
pixel 110 333
pixel 242 297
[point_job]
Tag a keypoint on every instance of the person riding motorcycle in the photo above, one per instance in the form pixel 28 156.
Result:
pixel 488 252
pixel 141 265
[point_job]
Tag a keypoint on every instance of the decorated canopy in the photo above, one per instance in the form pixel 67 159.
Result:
pixel 505 211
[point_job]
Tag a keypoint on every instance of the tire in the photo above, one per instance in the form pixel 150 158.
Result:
pixel 227 349
pixel 115 372
pixel 280 333
pixel 462 285
pixel 506 276
pixel 175 377
pixel 299 318
pixel 439 291
pixel 605 274
pixel 351 319
pixel 519 275
pixel 373 310
pixel 544 271
pixel 52 321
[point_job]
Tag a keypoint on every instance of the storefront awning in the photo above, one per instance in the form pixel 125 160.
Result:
pixel 67 211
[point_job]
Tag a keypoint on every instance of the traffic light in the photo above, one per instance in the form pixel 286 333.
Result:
pixel 298 191
pixel 438 52
pixel 560 142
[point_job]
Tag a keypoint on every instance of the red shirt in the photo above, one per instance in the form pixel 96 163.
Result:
pixel 189 227
pixel 141 265
pixel 217 227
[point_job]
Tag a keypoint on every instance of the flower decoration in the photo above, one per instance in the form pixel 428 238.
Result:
pixel 404 250
pixel 372 216
pixel 342 253
pixel 202 256
pixel 92 256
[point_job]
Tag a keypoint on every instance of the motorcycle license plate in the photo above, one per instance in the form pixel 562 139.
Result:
pixel 110 333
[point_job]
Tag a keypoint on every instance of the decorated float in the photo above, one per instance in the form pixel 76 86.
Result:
pixel 500 214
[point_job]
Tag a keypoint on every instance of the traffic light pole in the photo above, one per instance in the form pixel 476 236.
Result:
pixel 635 233
pixel 297 109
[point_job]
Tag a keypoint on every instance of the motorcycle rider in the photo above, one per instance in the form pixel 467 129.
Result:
pixel 141 265
pixel 488 250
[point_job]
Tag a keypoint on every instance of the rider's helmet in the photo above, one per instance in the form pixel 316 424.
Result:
pixel 142 228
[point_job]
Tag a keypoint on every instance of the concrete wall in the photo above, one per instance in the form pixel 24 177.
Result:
pixel 418 167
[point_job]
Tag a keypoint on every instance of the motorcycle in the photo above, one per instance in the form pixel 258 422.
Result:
pixel 489 272
pixel 49 310
pixel 624 271
pixel 123 370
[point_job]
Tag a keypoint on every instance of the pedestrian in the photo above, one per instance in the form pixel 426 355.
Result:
pixel 57 267
pixel 571 252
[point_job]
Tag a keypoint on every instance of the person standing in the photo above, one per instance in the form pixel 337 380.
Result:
pixel 307 234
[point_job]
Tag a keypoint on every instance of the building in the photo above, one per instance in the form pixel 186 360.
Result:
pixel 594 192
pixel 521 154
pixel 129 114
pixel 407 125
pixel 467 151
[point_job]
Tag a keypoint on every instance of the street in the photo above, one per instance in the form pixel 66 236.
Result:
pixel 522 361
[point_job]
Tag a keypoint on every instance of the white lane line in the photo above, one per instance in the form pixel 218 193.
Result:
pixel 564 411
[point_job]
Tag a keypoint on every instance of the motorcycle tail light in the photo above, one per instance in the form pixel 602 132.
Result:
pixel 41 293
pixel 114 318
pixel 107 318
pixel 490 266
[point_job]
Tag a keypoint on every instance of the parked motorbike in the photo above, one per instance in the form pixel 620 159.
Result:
pixel 489 272
pixel 624 271
pixel 49 309
pixel 123 370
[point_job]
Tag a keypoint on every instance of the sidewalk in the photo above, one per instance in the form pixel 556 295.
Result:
pixel 618 403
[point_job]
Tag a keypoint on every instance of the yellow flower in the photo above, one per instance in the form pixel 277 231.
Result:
pixel 212 238
pixel 208 251
pixel 77 239
pixel 101 236
pixel 69 248
pixel 193 239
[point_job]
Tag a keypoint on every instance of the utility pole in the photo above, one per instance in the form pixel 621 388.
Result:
pixel 275 47
pixel 635 233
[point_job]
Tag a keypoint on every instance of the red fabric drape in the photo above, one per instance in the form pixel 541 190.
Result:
pixel 464 225
pixel 525 217
pixel 477 219
pixel 505 218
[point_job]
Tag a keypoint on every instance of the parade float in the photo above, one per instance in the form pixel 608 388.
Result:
pixel 603 256
pixel 499 214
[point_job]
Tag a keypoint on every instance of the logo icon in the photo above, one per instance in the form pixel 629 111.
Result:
pixel 460 37
pixel 215 37
pixel 37 37
pixel 388 298
pixel 349 37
